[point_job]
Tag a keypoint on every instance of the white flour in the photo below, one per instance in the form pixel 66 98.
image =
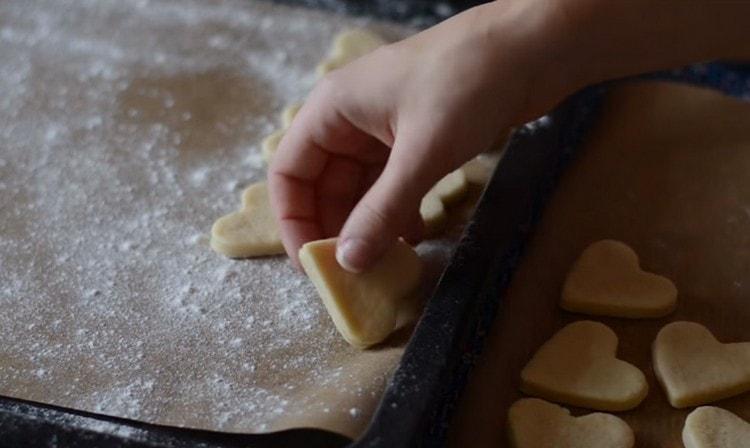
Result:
pixel 126 128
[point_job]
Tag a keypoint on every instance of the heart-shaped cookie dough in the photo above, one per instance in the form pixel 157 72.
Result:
pixel 448 191
pixel 710 427
pixel 577 366
pixel 535 423
pixel 694 368
pixel 606 280
pixel 251 231
pixel 365 307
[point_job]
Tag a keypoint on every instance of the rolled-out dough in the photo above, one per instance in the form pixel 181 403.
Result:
pixel 535 423
pixel 694 368
pixel 365 307
pixel 578 366
pixel 607 280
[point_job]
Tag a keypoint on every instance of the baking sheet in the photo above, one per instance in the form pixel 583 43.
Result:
pixel 126 128
pixel 667 172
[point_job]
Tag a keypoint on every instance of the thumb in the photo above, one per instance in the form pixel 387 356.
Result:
pixel 389 209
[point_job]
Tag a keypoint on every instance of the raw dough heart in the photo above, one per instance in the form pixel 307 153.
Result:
pixel 365 307
pixel 710 427
pixel 606 280
pixel 694 368
pixel 348 46
pixel 535 423
pixel 577 366
pixel 448 191
pixel 251 231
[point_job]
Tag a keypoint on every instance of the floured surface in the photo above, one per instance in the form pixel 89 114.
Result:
pixel 666 171
pixel 126 129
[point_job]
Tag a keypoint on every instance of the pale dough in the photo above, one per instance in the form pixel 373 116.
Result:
pixel 288 114
pixel 250 231
pixel 348 46
pixel 270 144
pixel 365 307
pixel 694 368
pixel 607 280
pixel 578 366
pixel 535 423
pixel 710 427
pixel 448 191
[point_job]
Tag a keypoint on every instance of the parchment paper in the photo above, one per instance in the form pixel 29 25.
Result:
pixel 668 172
pixel 126 129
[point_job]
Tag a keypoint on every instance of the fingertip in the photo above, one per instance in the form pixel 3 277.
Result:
pixel 355 254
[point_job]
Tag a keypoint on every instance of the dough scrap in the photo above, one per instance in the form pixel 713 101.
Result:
pixel 448 191
pixel 694 368
pixel 578 366
pixel 607 280
pixel 348 46
pixel 369 306
pixel 710 427
pixel 250 231
pixel 271 144
pixel 535 423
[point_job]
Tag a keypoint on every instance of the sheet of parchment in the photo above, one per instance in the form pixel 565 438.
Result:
pixel 668 172
pixel 126 128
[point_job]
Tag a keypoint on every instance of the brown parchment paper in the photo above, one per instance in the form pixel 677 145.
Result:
pixel 126 129
pixel 668 172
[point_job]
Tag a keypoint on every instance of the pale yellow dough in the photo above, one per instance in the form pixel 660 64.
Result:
pixel 535 423
pixel 479 169
pixel 271 144
pixel 365 307
pixel 578 366
pixel 448 191
pixel 607 281
pixel 348 46
pixel 694 368
pixel 288 114
pixel 710 427
pixel 250 231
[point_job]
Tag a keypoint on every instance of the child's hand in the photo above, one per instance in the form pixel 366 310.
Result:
pixel 374 136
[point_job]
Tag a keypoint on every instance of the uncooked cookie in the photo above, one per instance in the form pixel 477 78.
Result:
pixel 448 191
pixel 348 46
pixel 710 427
pixel 578 366
pixel 365 307
pixel 535 423
pixel 694 368
pixel 250 231
pixel 607 280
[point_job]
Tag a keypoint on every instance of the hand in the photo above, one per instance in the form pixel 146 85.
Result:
pixel 375 136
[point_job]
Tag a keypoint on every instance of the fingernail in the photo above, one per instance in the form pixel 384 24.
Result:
pixel 353 254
